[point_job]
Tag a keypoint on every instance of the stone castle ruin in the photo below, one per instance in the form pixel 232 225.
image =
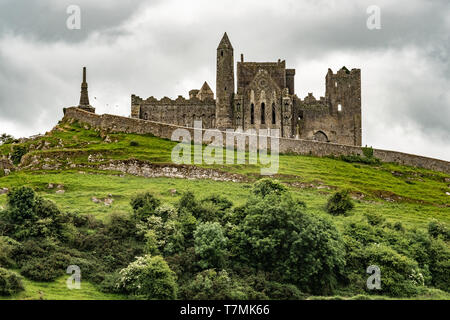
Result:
pixel 265 99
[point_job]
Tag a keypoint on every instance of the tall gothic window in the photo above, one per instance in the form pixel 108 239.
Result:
pixel 263 113
pixel 252 114
pixel 274 115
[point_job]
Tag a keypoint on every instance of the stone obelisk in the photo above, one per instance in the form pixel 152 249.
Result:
pixel 84 97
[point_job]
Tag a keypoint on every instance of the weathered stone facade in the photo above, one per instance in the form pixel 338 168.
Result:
pixel 265 99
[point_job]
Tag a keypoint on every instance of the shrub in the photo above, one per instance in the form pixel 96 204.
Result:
pixel 46 269
pixel 144 205
pixel 10 283
pixel 166 212
pixel 374 218
pixel 188 203
pixel 109 283
pixel 17 154
pixel 339 203
pixel 267 186
pixel 134 143
pixel 149 277
pixel 398 226
pixel 439 259
pixel 276 236
pixel 7 246
pixel 400 275
pixel 120 226
pixel 210 245
pixel 281 291
pixel 367 151
pixel 437 228
pixel 31 216
pixel 213 285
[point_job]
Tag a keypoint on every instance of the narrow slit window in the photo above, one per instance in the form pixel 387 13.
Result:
pixel 263 113
pixel 252 114
pixel 339 107
pixel 274 114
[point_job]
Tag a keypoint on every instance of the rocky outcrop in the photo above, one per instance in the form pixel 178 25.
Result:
pixel 151 170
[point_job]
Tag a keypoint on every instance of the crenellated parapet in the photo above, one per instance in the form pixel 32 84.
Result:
pixel 180 100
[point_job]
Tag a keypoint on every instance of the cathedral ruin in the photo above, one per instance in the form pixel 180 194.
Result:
pixel 264 99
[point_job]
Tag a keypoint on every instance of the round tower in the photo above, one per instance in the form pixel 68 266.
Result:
pixel 224 84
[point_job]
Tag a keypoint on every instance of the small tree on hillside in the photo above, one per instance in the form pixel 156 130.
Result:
pixel 339 203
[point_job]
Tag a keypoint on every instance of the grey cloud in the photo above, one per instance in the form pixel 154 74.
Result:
pixel 45 20
pixel 168 47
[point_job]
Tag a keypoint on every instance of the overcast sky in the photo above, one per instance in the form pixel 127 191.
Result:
pixel 167 47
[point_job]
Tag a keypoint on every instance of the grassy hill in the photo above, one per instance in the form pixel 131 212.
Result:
pixel 67 166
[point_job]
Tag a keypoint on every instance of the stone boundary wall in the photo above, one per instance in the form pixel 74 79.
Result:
pixel 115 123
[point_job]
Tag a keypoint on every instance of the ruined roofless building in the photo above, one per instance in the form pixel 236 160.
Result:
pixel 265 98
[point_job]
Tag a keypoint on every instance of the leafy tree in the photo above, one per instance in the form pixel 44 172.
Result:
pixel 210 245
pixel 339 203
pixel 276 236
pixel 439 264
pixel 28 215
pixel 149 277
pixel 6 139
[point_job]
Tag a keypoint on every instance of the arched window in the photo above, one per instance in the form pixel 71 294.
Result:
pixel 263 113
pixel 252 114
pixel 274 115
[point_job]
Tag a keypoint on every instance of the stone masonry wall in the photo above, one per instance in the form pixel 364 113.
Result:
pixel 298 146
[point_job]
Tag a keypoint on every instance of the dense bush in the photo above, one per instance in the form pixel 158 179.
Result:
pixel 366 158
pixel 276 236
pixel 7 247
pixel 144 205
pixel 437 228
pixel 210 245
pixel 374 218
pixel 149 277
pixel 339 203
pixel 29 215
pixel 45 269
pixel 400 275
pixel 17 154
pixel 267 186
pixel 213 285
pixel 439 264
pixel 10 283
